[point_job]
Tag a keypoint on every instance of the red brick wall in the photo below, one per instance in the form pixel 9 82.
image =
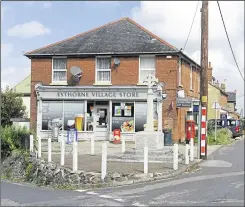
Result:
pixel 127 73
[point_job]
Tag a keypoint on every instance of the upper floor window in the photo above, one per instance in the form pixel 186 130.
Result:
pixel 147 66
pixel 191 78
pixel 59 69
pixel 103 69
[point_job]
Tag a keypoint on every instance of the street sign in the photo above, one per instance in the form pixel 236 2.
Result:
pixel 184 103
pixel 216 105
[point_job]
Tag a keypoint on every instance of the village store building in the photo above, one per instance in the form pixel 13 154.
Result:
pixel 114 61
pixel 117 107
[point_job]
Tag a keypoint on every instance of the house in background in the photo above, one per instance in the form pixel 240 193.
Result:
pixel 216 92
pixel 231 105
pixel 24 88
pixel 114 59
pixel 226 100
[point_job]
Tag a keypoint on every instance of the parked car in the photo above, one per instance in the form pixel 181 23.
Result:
pixel 235 126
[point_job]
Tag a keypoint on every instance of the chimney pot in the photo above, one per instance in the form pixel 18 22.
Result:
pixel 209 64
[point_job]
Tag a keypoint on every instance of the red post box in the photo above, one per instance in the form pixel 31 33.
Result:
pixel 190 129
pixel 117 136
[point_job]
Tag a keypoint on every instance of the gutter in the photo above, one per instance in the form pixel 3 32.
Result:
pixel 179 53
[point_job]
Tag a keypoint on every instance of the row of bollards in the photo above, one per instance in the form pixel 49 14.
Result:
pixel 104 153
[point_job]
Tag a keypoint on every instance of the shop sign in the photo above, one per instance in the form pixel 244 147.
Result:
pixel 184 102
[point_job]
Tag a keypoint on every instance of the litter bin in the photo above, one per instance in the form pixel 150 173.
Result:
pixel 167 137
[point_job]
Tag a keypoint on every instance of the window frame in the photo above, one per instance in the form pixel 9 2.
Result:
pixel 146 56
pixel 101 70
pixel 58 70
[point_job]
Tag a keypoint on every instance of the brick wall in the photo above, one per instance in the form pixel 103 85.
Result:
pixel 127 73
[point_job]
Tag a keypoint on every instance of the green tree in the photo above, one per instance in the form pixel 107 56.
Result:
pixel 11 106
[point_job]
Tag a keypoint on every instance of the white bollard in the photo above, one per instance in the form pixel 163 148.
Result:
pixel 39 147
pixel 186 154
pixel 145 160
pixel 74 156
pixel 92 145
pixel 104 161
pixel 175 157
pixel 123 144
pixel 62 154
pixel 192 150
pixel 31 143
pixel 49 150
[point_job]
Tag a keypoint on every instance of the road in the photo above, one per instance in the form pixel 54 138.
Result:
pixel 218 182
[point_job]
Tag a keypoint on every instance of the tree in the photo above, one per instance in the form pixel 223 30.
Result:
pixel 11 106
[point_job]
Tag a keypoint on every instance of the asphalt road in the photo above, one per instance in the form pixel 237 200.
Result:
pixel 218 182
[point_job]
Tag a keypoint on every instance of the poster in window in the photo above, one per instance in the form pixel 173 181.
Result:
pixel 127 111
pixel 125 124
pixel 118 111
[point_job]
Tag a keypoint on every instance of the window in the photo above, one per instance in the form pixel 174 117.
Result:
pixel 191 78
pixel 59 70
pixel 103 69
pixel 147 66
pixel 123 117
pixel 180 75
pixel 51 110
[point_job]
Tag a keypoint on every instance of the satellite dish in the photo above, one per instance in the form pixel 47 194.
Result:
pixel 76 73
pixel 116 61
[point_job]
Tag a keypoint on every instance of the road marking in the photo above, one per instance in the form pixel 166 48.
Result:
pixel 175 182
pixel 92 193
pixel 80 190
pixel 105 196
pixel 138 204
pixel 119 200
pixel 215 163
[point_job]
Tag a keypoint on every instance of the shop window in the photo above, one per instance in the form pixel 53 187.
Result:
pixel 51 110
pixel 103 69
pixel 141 116
pixel 123 117
pixel 147 66
pixel 59 70
pixel 74 112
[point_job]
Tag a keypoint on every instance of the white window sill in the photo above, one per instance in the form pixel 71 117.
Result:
pixel 102 84
pixel 59 83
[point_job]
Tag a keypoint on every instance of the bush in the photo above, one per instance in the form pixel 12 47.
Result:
pixel 223 137
pixel 12 139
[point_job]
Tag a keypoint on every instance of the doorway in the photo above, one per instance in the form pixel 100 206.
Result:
pixel 102 120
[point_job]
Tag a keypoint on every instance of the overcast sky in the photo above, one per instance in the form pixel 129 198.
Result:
pixel 29 25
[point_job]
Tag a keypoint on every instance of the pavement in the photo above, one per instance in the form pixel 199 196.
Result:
pixel 92 163
pixel 218 181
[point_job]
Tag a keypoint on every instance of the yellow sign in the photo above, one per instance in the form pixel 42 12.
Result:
pixel 204 99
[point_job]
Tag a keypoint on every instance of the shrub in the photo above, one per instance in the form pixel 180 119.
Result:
pixel 223 137
pixel 12 139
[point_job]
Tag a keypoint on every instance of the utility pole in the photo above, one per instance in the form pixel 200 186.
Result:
pixel 204 79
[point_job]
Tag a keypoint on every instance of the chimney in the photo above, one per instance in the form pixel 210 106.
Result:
pixel 222 86
pixel 210 73
pixel 217 83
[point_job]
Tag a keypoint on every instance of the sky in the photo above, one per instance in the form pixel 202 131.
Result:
pixel 32 24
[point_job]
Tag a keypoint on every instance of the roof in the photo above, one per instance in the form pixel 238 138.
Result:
pixel 24 86
pixel 225 93
pixel 231 96
pixel 118 37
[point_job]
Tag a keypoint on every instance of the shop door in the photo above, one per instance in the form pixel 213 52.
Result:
pixel 102 122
